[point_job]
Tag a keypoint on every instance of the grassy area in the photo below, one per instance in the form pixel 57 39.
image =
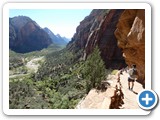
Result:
pixel 114 72
pixel 43 52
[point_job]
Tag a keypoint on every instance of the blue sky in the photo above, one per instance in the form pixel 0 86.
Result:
pixel 62 21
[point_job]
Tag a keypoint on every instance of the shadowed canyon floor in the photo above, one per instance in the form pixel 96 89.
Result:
pixel 102 100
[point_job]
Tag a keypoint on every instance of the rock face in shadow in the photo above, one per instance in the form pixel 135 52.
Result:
pixel 130 34
pixel 25 35
pixel 97 29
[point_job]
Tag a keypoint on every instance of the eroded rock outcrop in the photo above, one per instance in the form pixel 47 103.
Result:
pixel 130 34
pixel 98 29
pixel 25 35
pixel 116 96
pixel 83 31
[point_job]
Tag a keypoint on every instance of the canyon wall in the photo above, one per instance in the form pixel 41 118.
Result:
pixel 97 29
pixel 130 34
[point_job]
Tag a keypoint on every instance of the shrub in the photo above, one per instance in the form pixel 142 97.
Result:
pixel 94 70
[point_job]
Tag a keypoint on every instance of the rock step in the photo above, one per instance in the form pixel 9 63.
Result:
pixel 102 100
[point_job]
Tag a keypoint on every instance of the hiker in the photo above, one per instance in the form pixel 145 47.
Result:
pixel 133 75
pixel 126 69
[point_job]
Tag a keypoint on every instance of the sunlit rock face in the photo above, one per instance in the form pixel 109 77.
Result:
pixel 130 34
pixel 97 29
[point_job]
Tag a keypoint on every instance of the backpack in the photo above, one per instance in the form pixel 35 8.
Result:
pixel 133 73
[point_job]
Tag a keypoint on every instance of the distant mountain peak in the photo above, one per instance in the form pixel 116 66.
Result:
pixel 48 31
pixel 58 35
pixel 66 39
pixel 56 39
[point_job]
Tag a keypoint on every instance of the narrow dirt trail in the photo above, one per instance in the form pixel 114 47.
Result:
pixel 130 97
pixel 102 100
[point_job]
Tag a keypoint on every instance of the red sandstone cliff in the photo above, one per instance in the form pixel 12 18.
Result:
pixel 130 34
pixel 98 29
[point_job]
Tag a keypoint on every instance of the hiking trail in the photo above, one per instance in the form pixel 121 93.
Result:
pixel 102 100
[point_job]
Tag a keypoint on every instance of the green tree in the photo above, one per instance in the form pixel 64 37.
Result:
pixel 94 70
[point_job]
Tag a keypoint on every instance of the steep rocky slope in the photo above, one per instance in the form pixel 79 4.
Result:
pixel 130 34
pixel 98 29
pixel 25 35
